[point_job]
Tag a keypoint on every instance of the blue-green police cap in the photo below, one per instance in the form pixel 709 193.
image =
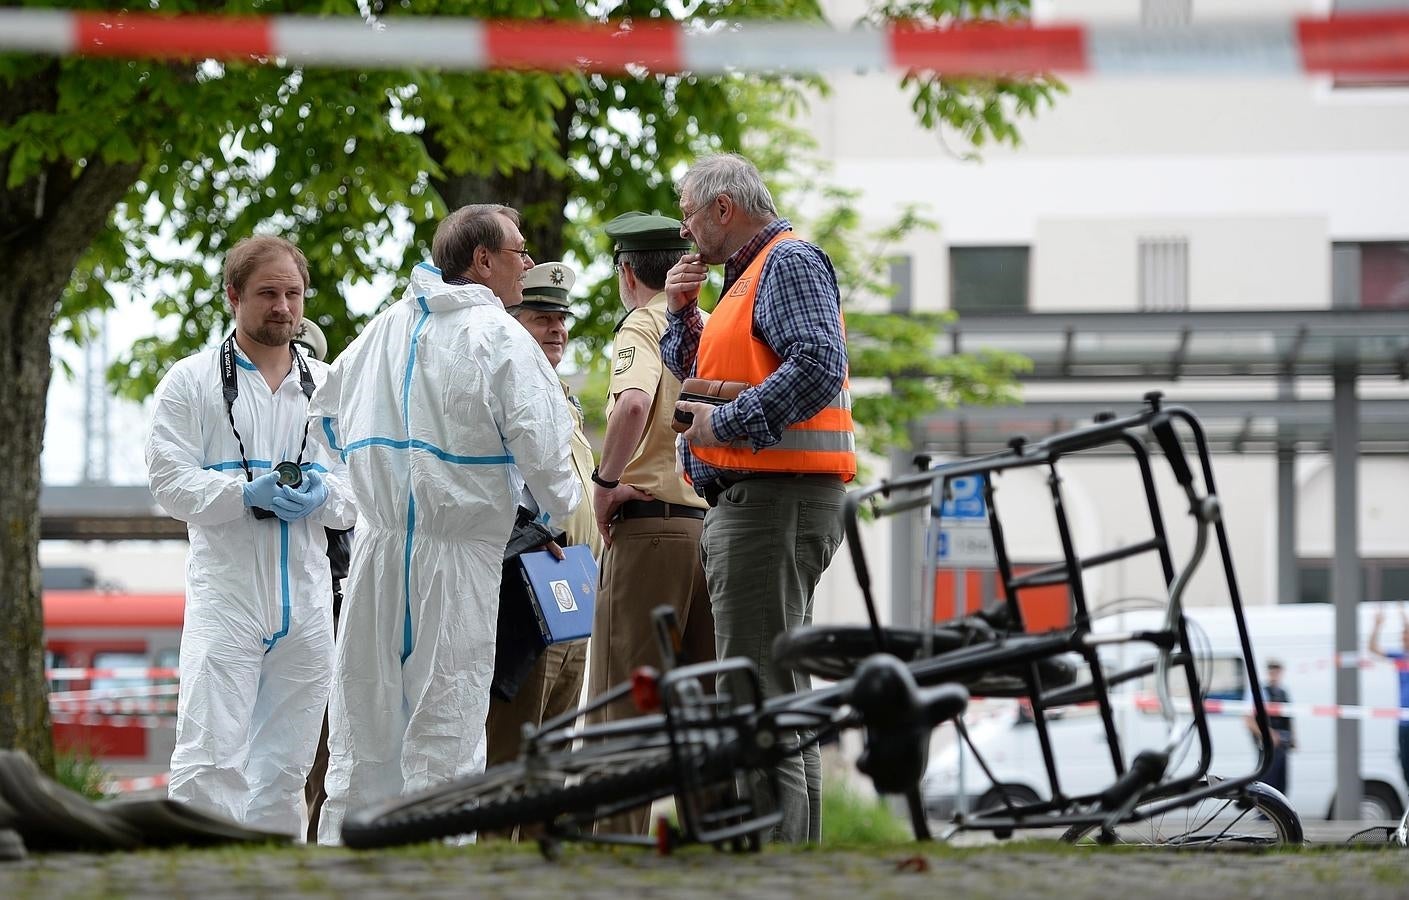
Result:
pixel 645 231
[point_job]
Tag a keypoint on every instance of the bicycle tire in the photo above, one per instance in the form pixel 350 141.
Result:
pixel 510 794
pixel 1256 815
pixel 834 651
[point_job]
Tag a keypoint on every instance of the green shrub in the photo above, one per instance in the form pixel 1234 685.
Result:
pixel 78 770
pixel 851 818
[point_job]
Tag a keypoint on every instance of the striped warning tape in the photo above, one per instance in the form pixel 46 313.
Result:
pixel 144 690
pixel 81 674
pixel 138 783
pixel 1374 44
pixel 1352 660
pixel 113 720
pixel 1148 703
pixel 117 706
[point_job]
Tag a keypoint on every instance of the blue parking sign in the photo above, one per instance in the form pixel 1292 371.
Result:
pixel 966 500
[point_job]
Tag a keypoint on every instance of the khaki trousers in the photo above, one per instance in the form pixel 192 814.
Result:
pixel 651 562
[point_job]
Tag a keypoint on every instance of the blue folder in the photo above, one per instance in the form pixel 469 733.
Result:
pixel 563 592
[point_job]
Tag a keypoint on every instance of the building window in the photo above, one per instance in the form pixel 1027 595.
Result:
pixel 1370 275
pixel 1380 579
pixel 1163 13
pixel 986 280
pixel 1163 271
pixel 901 301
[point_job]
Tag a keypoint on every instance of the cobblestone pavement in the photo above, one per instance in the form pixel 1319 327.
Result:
pixel 1023 869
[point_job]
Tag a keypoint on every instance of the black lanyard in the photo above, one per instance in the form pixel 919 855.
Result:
pixel 230 387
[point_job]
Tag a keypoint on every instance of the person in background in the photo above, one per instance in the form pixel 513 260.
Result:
pixel 649 517
pixel 257 639
pixel 435 405
pixel 554 683
pixel 1283 737
pixel 771 463
pixel 1401 664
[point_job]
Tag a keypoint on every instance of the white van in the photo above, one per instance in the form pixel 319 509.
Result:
pixel 1301 637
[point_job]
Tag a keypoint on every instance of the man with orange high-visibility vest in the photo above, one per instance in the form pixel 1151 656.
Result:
pixel 772 461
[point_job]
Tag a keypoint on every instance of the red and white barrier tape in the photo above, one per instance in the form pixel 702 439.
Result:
pixel 138 783
pixel 1148 703
pixel 122 693
pixel 1351 660
pixel 80 674
pixel 1375 44
pixel 131 706
pixel 112 721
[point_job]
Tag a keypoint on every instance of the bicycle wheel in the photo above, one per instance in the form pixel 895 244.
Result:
pixel 1256 815
pixel 516 793
pixel 834 651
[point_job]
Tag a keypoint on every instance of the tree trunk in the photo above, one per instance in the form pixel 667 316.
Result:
pixel 540 199
pixel 46 224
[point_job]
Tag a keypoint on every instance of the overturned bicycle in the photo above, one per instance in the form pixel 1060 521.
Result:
pixel 709 738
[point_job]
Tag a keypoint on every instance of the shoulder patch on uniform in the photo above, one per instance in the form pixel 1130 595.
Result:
pixel 624 359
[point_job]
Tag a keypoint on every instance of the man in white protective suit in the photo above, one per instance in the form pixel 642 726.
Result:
pixel 432 406
pixel 257 641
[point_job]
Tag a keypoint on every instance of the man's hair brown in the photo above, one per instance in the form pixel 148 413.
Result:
pixel 466 230
pixel 252 252
pixel 651 266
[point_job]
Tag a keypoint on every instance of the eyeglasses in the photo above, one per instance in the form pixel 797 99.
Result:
pixel 687 216
pixel 523 254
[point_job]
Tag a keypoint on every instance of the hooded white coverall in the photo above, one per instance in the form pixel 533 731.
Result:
pixel 257 639
pixel 432 406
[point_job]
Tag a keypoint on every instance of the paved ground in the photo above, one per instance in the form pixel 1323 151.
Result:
pixel 1023 869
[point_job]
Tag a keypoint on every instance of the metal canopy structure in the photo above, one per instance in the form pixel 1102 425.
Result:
pixel 1170 346
pixel 1231 426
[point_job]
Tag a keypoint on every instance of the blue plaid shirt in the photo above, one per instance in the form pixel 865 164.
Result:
pixel 797 312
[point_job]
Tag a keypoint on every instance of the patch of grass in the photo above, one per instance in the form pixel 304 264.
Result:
pixel 78 770
pixel 1393 873
pixel 850 819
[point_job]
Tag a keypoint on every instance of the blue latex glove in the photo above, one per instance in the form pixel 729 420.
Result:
pixel 262 491
pixel 292 505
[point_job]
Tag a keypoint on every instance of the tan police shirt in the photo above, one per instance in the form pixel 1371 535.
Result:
pixel 581 526
pixel 636 363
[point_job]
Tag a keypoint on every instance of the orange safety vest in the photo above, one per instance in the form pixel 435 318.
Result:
pixel 729 351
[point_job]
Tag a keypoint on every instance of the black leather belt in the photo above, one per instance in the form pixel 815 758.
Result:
pixel 658 509
pixel 725 480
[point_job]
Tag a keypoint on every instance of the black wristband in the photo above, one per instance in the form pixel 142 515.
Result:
pixel 602 482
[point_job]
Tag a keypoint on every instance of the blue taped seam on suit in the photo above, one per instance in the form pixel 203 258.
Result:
pixel 229 464
pixel 428 447
pixel 406 640
pixel 283 586
pixel 332 438
pixel 226 465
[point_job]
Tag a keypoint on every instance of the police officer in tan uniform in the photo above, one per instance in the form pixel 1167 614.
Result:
pixel 649 517
pixel 554 685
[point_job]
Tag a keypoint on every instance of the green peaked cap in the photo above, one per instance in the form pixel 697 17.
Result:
pixel 644 231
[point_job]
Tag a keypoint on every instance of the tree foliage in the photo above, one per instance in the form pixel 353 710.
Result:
pixel 134 175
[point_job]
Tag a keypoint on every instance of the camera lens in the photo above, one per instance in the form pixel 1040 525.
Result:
pixel 290 475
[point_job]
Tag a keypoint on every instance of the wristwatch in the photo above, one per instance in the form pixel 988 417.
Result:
pixel 598 480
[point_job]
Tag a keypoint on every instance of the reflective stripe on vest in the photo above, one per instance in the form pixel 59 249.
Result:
pixel 824 444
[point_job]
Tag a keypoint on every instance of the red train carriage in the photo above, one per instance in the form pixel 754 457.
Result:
pixel 112 660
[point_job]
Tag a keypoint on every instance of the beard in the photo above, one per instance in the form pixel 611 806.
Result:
pixel 273 334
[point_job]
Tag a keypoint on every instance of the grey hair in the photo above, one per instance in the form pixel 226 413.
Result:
pixel 731 174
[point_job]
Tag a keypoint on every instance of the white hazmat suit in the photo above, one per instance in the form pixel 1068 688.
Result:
pixel 257 640
pixel 432 406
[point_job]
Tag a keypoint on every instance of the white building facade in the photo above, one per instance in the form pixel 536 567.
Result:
pixel 1197 192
